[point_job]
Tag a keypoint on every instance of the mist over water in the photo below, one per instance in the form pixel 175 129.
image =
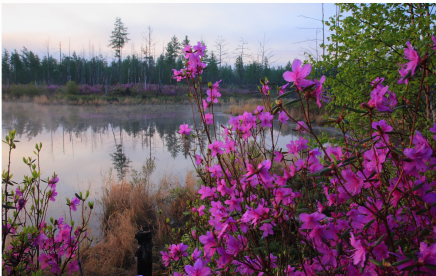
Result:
pixel 82 144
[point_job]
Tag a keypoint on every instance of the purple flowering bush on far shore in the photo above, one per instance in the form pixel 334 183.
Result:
pixel 366 206
pixel 31 242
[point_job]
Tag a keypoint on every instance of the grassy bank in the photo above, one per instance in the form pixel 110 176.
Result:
pixel 130 94
pixel 128 206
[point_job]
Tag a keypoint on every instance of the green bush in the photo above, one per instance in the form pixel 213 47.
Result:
pixel 21 90
pixel 72 88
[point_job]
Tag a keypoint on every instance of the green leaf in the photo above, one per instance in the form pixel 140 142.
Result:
pixel 345 233
pixel 430 266
pixel 368 224
pixel 379 241
pixel 408 268
pixel 417 187
pixel 421 211
pixel 293 102
pixel 355 110
pixel 340 268
pixel 377 263
pixel 424 232
pixel 401 262
pixel 285 94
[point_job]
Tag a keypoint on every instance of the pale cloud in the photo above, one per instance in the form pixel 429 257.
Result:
pixel 31 25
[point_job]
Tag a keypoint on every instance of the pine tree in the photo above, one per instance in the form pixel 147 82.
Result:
pixel 185 41
pixel 118 40
pixel 239 68
pixel 6 66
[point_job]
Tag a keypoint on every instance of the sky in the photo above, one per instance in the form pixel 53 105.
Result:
pixel 284 26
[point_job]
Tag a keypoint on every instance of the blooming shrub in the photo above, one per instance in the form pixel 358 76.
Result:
pixel 29 243
pixel 362 207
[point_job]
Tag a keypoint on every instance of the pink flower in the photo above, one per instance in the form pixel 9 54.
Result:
pixel 187 50
pixel 184 129
pixel 318 93
pixel 360 251
pixel 336 152
pixel 381 252
pixel 328 256
pixel 419 157
pixel 320 233
pixel 229 146
pixel 201 210
pixel 216 148
pixel 209 244
pixel 198 159
pixel 52 182
pixel 234 204
pixel 259 109
pixel 413 56
pixel 301 126
pixel 199 269
pixel 262 171
pixel 311 221
pixel 213 95
pixel 206 192
pixel 403 72
pixel 196 254
pixel 73 266
pixel 278 156
pixel 283 117
pixel 178 251
pixel 199 48
pixel 166 258
pixel 384 127
pixel 178 75
pixel 53 195
pixel 427 254
pixel 208 118
pixel 267 229
pixel 434 42
pixel 298 75
pixel 433 130
pixel 265 88
pixel 282 89
pixel 236 245
pixel 265 119
pixel 205 105
pixel 74 204
pixel 379 101
pixel 353 184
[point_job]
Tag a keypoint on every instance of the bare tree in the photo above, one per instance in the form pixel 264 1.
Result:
pixel 150 43
pixel 69 75
pixel 265 53
pixel 241 48
pixel 316 33
pixel 220 45
pixel 47 49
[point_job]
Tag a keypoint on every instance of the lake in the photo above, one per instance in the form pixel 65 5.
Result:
pixel 82 144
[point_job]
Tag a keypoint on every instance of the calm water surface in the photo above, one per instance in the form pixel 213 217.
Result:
pixel 82 144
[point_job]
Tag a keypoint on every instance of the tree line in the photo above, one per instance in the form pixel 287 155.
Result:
pixel 24 66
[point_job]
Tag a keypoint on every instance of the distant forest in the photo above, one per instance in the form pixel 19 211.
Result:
pixel 24 66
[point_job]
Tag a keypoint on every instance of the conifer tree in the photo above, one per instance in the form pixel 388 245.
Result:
pixel 118 40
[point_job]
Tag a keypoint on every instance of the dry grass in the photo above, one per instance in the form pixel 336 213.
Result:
pixel 238 108
pixel 41 99
pixel 113 255
pixel 130 206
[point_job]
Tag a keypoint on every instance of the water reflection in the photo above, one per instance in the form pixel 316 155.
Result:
pixel 81 143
